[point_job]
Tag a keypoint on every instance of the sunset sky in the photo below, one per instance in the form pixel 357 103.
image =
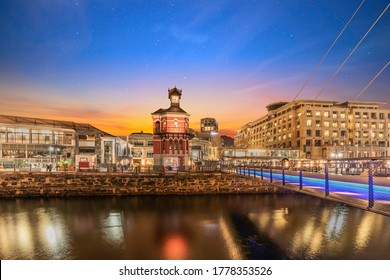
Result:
pixel 110 63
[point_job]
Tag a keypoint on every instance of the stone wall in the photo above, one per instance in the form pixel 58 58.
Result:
pixel 92 184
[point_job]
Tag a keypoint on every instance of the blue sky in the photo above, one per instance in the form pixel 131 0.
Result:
pixel 110 63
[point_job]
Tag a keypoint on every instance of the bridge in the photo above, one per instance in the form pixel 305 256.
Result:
pixel 363 190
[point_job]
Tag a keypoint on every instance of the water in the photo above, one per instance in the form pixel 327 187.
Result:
pixel 267 226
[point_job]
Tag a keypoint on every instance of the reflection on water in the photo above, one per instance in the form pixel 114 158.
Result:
pixel 289 226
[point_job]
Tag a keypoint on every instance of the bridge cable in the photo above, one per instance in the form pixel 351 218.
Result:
pixel 372 80
pixel 327 52
pixel 358 44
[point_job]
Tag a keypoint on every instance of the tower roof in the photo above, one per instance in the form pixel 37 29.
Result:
pixel 174 91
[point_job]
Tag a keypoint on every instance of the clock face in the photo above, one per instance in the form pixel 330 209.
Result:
pixel 175 99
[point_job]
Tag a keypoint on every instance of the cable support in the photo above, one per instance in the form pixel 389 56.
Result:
pixel 327 52
pixel 350 54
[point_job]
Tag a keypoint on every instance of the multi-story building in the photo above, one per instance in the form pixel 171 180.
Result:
pixel 171 135
pixel 142 149
pixel 321 129
pixel 208 125
pixel 37 142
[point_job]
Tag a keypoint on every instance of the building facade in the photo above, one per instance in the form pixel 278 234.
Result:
pixel 171 135
pixel 208 125
pixel 37 142
pixel 142 149
pixel 321 129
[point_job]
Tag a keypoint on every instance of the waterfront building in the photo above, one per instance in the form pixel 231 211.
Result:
pixel 171 135
pixel 321 129
pixel 227 141
pixel 38 142
pixel 256 156
pixel 142 149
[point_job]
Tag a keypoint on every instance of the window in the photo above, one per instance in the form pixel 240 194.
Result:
pixel 326 133
pixel 318 123
pixel 308 123
pixel 381 125
pixel 365 125
pixel 373 125
pixel 335 134
pixel 342 115
pixel 298 134
pixel 357 125
pixel 308 132
pixel 365 115
pixel 318 113
pixel 380 135
pixel 343 124
pixel 343 133
pixel 326 114
pixel 381 116
pixel 334 124
pixel 308 113
pixel 317 143
pixel 373 115
pixel 326 123
pixel 318 133
pixel 334 115
pixel 308 142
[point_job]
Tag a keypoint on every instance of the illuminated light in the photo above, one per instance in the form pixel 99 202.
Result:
pixel 348 193
pixel 175 247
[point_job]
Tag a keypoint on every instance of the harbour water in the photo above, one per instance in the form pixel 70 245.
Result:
pixel 266 226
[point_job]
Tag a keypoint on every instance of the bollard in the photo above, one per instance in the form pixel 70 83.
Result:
pixel 283 177
pixel 327 178
pixel 370 187
pixel 270 174
pixel 300 178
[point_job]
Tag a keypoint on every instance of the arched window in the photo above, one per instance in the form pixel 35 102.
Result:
pixel 170 144
pixel 157 127
pixel 176 145
pixel 181 144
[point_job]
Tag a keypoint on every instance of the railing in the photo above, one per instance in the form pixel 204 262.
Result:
pixel 170 130
pixel 364 190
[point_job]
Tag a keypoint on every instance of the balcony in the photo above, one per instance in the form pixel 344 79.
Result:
pixel 170 130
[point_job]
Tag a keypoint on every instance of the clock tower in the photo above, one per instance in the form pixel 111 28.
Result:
pixel 171 136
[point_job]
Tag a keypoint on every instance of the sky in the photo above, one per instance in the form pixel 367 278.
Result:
pixel 110 63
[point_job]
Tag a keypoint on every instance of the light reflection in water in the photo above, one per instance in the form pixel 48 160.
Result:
pixel 336 223
pixel 189 228
pixel 112 228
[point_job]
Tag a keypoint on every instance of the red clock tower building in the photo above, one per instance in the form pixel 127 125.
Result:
pixel 171 136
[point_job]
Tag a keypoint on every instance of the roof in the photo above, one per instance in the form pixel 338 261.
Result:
pixel 174 91
pixel 49 123
pixel 172 109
